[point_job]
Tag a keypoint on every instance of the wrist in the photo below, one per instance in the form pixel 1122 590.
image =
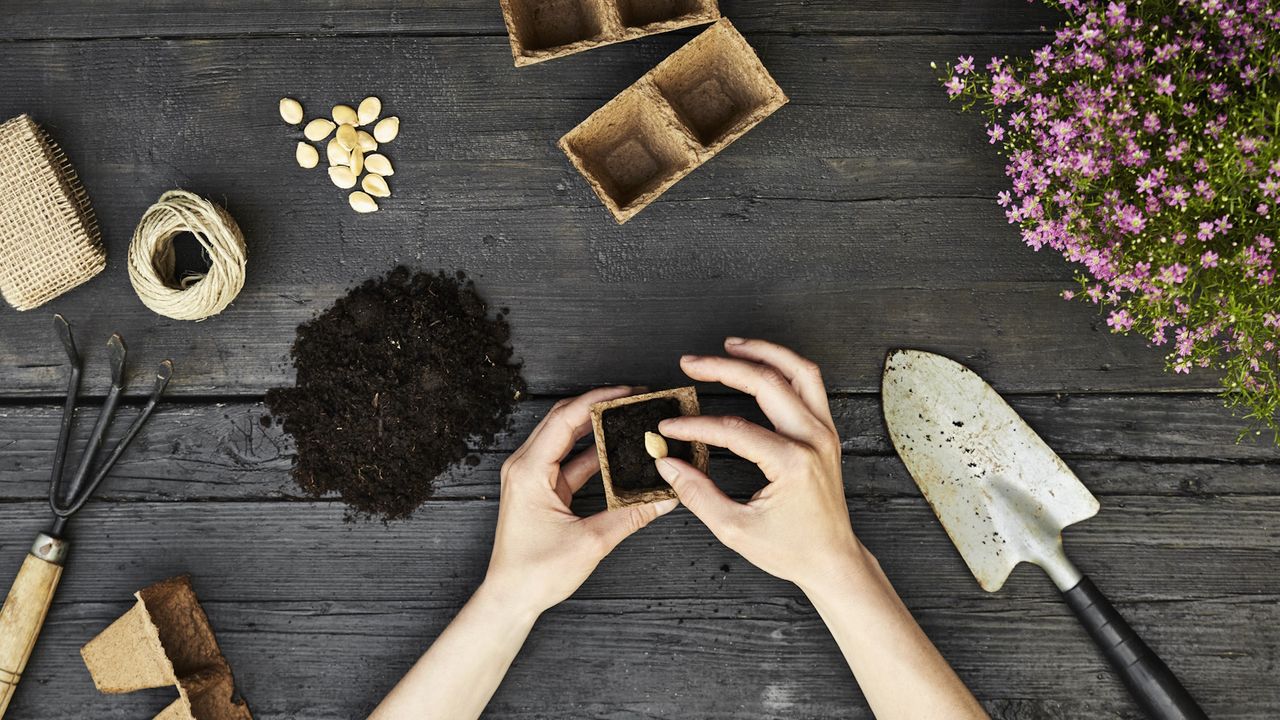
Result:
pixel 844 573
pixel 498 601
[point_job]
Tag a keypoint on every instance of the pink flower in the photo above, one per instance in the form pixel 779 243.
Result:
pixel 965 66
pixel 1120 321
pixel 955 86
pixel 996 133
pixel 1209 259
pixel 1164 85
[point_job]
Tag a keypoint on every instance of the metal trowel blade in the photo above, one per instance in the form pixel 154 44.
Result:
pixel 1001 493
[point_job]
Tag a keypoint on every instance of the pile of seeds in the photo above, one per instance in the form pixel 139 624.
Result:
pixel 395 382
pixel 351 151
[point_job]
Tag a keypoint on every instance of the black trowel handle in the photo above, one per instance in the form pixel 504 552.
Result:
pixel 1151 682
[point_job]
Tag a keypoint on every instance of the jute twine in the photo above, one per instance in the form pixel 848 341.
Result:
pixel 151 258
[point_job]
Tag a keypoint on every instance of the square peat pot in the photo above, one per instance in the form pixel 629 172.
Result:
pixel 631 150
pixel 629 474
pixel 678 116
pixel 546 29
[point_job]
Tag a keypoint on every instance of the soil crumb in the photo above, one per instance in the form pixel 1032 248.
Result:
pixel 395 382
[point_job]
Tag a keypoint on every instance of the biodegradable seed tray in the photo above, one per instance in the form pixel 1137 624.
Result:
pixel 546 29
pixel 165 640
pixel 637 480
pixel 679 115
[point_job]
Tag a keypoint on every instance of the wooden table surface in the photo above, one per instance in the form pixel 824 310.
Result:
pixel 859 218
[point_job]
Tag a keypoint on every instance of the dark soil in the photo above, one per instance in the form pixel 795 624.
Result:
pixel 631 469
pixel 395 382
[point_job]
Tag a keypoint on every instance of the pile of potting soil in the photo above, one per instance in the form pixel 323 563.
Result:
pixel 394 382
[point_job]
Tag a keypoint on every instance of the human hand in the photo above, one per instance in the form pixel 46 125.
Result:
pixel 796 527
pixel 542 551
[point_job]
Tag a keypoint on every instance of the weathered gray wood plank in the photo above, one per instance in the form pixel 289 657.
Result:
pixel 847 224
pixel 1157 445
pixel 318 616
pixel 211 18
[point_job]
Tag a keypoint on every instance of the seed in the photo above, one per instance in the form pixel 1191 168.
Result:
pixel 375 185
pixel 387 129
pixel 347 136
pixel 343 115
pixel 655 445
pixel 370 109
pixel 361 202
pixel 318 129
pixel 290 111
pixel 337 156
pixel 342 177
pixel 306 155
pixel 366 141
pixel 378 164
pixel 356 161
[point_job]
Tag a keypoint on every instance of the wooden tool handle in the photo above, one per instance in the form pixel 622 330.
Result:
pixel 23 615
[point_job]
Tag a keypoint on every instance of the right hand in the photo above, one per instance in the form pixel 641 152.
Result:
pixel 796 527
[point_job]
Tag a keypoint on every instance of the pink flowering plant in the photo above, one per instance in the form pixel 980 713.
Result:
pixel 1142 146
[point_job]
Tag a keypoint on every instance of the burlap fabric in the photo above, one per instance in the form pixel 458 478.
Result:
pixel 49 240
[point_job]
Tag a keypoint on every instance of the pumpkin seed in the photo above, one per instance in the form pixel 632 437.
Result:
pixel 347 136
pixel 655 445
pixel 337 156
pixel 375 185
pixel 356 161
pixel 361 202
pixel 366 141
pixel 318 129
pixel 306 155
pixel 290 111
pixel 370 109
pixel 342 177
pixel 378 164
pixel 387 129
pixel 343 115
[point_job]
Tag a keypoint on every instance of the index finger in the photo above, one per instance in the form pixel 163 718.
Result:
pixel 803 374
pixel 567 422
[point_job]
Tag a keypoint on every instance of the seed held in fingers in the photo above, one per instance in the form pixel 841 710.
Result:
pixel 335 153
pixel 366 142
pixel 356 161
pixel 370 109
pixel 387 129
pixel 347 136
pixel 290 111
pixel 378 164
pixel 344 115
pixel 318 129
pixel 361 202
pixel 376 185
pixel 307 156
pixel 342 177
pixel 655 445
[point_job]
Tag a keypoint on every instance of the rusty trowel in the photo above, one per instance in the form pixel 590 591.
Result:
pixel 1004 498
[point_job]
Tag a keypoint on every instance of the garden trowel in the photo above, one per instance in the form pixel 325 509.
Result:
pixel 1004 497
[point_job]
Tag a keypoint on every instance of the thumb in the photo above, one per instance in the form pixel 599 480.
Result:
pixel 698 493
pixel 614 526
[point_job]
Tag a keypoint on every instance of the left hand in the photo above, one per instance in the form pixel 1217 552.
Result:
pixel 542 551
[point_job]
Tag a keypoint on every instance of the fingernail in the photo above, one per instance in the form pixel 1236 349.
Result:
pixel 733 341
pixel 665 506
pixel 665 424
pixel 667 470
pixel 690 358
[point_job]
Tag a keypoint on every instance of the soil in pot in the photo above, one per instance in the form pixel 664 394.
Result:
pixel 631 469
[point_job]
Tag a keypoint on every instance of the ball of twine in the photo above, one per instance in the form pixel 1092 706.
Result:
pixel 151 257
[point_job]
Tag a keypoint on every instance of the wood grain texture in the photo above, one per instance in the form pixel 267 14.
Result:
pixel 213 18
pixel 21 618
pixel 350 605
pixel 1147 445
pixel 798 231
